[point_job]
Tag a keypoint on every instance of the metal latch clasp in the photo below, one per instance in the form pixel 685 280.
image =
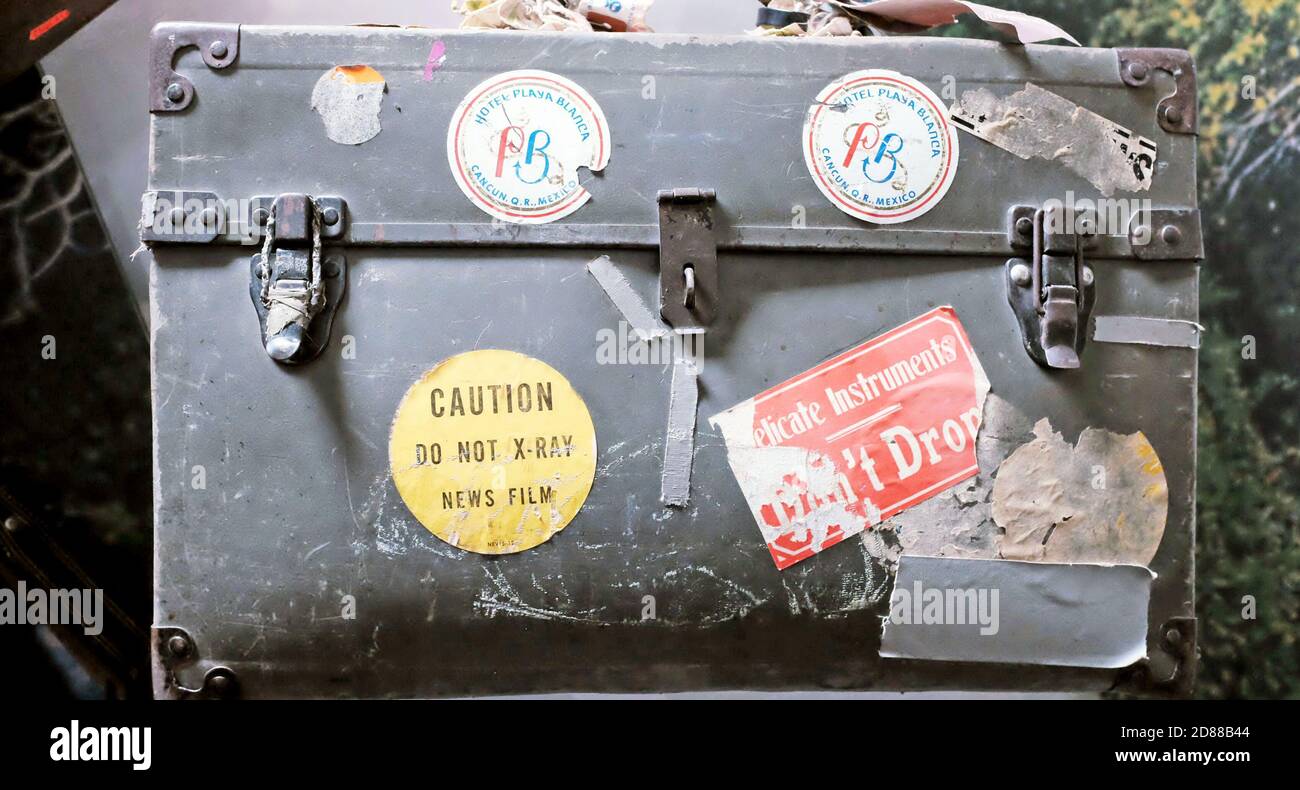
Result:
pixel 688 259
pixel 295 288
pixel 1052 292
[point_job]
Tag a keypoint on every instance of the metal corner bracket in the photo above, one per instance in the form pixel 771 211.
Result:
pixel 1176 112
pixel 1171 667
pixel 173 650
pixel 169 91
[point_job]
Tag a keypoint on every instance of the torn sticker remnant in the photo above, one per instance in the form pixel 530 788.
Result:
pixel 1103 500
pixel 959 522
pixel 1034 122
pixel 518 141
pixel 999 611
pixel 348 99
pixel 437 56
pixel 862 436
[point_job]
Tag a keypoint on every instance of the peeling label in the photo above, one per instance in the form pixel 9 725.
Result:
pixel 493 451
pixel 1103 500
pixel 879 146
pixel 1038 123
pixel 348 99
pixel 518 140
pixel 864 435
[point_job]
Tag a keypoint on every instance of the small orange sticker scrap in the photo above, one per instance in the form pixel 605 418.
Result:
pixel 359 74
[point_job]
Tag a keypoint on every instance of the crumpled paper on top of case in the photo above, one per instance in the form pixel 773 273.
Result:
pixel 888 17
pixel 625 16
pixel 823 19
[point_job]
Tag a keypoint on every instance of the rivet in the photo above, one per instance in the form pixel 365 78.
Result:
pixel 1020 275
pixel 1087 275
pixel 333 268
pixel 219 683
pixel 260 216
pixel 1024 226
pixel 178 646
pixel 331 216
pixel 175 92
pixel 1173 636
pixel 13 524
pixel 1171 234
pixel 1173 115
pixel 218 49
pixel 1137 71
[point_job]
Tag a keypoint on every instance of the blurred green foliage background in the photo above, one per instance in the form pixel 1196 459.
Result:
pixel 1248 473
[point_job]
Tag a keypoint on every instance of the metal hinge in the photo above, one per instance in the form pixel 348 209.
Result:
pixel 295 287
pixel 688 259
pixel 177 216
pixel 1053 290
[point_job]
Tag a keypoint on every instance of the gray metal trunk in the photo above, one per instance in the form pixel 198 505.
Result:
pixel 275 504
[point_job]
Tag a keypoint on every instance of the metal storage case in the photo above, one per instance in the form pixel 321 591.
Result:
pixel 274 497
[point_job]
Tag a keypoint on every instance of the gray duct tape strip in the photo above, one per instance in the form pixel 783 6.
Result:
pixel 679 442
pixel 646 324
pixel 1003 611
pixel 1146 331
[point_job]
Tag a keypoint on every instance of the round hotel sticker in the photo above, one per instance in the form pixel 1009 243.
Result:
pixel 493 451
pixel 880 146
pixel 517 142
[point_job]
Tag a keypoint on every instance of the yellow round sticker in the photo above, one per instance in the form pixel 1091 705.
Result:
pixel 493 451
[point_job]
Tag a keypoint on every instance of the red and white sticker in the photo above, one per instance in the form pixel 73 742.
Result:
pixel 860 437
pixel 880 146
pixel 518 142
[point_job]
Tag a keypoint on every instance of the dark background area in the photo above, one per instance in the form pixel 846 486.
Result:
pixel 75 490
